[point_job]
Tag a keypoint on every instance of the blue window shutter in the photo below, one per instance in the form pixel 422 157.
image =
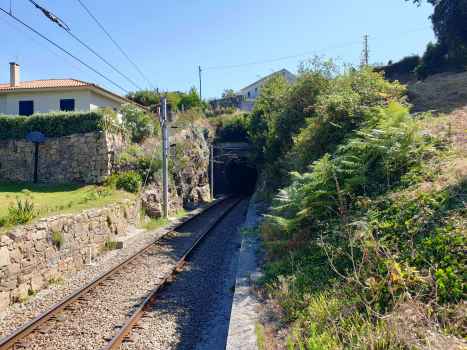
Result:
pixel 67 105
pixel 26 108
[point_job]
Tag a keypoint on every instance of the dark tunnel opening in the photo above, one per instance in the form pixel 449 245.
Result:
pixel 241 178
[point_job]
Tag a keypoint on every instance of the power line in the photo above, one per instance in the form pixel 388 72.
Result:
pixel 411 31
pixel 104 60
pixel 282 58
pixel 57 20
pixel 50 41
pixel 49 15
pixel 315 51
pixel 117 45
pixel 181 79
pixel 19 30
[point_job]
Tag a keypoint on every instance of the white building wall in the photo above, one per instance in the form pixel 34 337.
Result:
pixel 254 90
pixel 98 101
pixel 3 104
pixel 47 101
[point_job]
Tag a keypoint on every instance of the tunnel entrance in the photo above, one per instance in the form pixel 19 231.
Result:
pixel 241 178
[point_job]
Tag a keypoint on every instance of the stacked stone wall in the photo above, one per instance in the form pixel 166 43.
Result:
pixel 74 158
pixel 29 257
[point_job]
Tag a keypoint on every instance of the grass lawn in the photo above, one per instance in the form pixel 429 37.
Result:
pixel 154 224
pixel 55 199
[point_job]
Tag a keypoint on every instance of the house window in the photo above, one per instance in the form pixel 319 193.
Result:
pixel 256 90
pixel 67 105
pixel 283 74
pixel 248 93
pixel 26 108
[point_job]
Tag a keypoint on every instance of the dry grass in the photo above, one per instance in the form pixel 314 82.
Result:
pixel 444 92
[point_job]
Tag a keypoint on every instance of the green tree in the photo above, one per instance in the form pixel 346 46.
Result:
pixel 228 93
pixel 450 50
pixel 190 100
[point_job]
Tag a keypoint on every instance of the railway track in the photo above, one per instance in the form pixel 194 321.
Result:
pixel 101 314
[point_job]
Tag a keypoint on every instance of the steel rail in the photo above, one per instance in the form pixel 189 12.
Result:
pixel 35 324
pixel 138 314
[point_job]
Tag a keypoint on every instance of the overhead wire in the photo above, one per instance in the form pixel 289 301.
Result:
pixel 57 20
pixel 50 41
pixel 50 16
pixel 180 79
pixel 103 59
pixel 348 43
pixel 117 45
pixel 45 47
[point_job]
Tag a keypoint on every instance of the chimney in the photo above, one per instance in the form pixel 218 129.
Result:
pixel 14 74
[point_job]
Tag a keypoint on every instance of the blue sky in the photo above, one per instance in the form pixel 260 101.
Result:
pixel 168 40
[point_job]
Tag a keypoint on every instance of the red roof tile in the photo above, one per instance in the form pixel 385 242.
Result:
pixel 59 83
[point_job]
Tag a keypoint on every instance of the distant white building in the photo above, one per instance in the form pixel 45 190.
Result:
pixel 251 91
pixel 29 97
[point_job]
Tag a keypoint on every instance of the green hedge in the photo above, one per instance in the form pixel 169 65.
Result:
pixel 406 65
pixel 53 124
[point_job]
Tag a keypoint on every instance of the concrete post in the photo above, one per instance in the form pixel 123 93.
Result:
pixel 165 181
pixel 88 257
pixel 212 172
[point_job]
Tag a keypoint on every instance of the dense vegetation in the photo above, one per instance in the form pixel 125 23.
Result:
pixel 449 53
pixel 367 222
pixel 175 100
pixel 405 66
pixel 53 124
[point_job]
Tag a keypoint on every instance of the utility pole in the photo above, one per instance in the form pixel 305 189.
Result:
pixel 366 49
pixel 165 179
pixel 200 96
pixel 212 172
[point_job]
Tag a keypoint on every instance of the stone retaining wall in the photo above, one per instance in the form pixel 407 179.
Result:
pixel 29 257
pixel 74 158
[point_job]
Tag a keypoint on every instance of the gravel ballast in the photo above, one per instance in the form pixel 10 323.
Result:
pixel 86 327
pixel 193 311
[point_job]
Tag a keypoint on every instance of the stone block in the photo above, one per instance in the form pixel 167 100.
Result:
pixel 55 259
pixel 30 268
pixel 41 225
pixel 4 256
pixel 16 256
pixel 37 282
pixel 38 235
pixel 12 270
pixel 22 290
pixel 18 234
pixel 49 252
pixel 26 248
pixel 61 266
pixel 40 246
pixel 5 240
pixel 4 300
pixel 8 285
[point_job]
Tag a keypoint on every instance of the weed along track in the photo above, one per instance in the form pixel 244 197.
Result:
pixel 102 313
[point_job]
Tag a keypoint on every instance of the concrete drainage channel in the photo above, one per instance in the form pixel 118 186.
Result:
pixel 193 311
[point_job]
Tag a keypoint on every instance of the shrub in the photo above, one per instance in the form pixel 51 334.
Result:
pixel 140 125
pixel 406 65
pixel 53 124
pixel 57 238
pixel 111 181
pixel 234 130
pixel 21 213
pixel 110 243
pixel 130 181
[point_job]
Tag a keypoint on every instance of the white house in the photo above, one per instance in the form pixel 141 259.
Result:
pixel 28 97
pixel 251 91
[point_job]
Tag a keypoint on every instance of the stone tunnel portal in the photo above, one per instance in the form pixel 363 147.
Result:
pixel 240 177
